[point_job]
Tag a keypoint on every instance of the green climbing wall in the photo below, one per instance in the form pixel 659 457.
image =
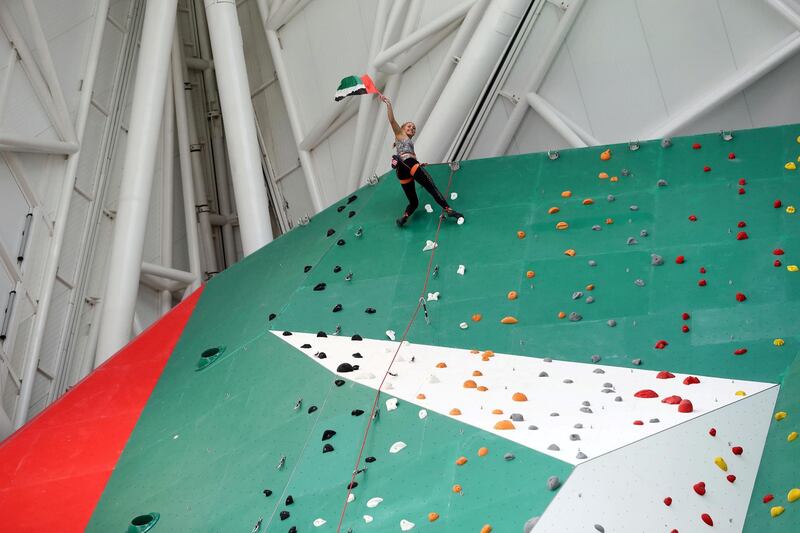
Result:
pixel 208 442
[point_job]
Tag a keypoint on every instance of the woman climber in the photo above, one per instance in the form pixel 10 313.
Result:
pixel 410 170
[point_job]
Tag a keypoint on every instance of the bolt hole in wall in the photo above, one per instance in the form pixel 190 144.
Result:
pixel 143 523
pixel 209 356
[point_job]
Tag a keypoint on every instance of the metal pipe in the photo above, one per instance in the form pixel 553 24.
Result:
pixel 240 129
pixel 125 260
pixel 160 284
pixel 185 278
pixel 787 12
pixel 740 80
pixel 198 63
pixel 33 352
pixel 23 241
pixel 547 112
pixel 291 108
pixel 167 190
pixel 15 143
pixel 188 179
pixel 7 314
pixel 537 76
pixel 418 51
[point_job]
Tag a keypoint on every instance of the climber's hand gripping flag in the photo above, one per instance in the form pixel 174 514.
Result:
pixel 352 85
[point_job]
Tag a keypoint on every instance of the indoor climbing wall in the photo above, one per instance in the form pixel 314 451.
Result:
pixel 606 342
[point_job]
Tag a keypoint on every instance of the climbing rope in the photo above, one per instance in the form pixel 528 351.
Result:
pixel 420 304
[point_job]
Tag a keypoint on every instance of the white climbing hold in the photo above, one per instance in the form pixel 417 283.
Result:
pixel 390 334
pixel 405 525
pixel 364 375
pixel 388 386
pixel 374 502
pixel 433 296
pixel 460 270
pixel 429 245
pixel 463 325
pixel 433 379
pixel 367 518
pixel 453 195
pixel 460 221
pixel 391 404
pixel 351 497
pixel 423 414
pixel 428 208
pixel 397 446
pixel 319 522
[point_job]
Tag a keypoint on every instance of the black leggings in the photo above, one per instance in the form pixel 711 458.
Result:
pixel 422 177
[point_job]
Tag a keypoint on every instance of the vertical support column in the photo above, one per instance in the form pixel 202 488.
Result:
pixel 240 127
pixel 167 192
pixel 125 261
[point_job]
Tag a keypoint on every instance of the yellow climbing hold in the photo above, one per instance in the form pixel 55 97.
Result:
pixel 602 175
pixel 570 252
pixel 504 424
pixel 740 393
pixel 790 209
pixel 790 166
pixel 720 462
pixel 780 415
pixel 562 225
pixel 519 397
pixel 798 139
pixel 482 452
pixel 776 511
pixel 792 268
pixel 605 155
pixel 509 320
pixel 793 495
pixel 778 342
pixel 566 194
pixel 553 210
pixel 469 384
pixel 433 517
pixel 486 529
pixel 455 411
pixel 792 436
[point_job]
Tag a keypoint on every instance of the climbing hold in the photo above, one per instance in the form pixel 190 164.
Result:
pixel 685 316
pixel 792 268
pixel 519 397
pixel 337 269
pixel 391 404
pixel 706 168
pixel 693 218
pixel 405 525
pixel 486 529
pixel 370 460
pixel 509 320
pixel 320 287
pixel 356 412
pixel 699 488
pixel 470 384
pixel 720 462
pixel 390 334
pixel 702 270
pixel 741 190
pixel 602 175
pixel 638 423
pixel 482 452
pixel 521 234
pixel 516 417
pixel 587 201
pixel 284 515
pixel 737 450
pixel 289 500
pixel 672 400
pixel 422 414
pixel 740 393
pixel 685 328
pixel 685 406
pixel 339 382
pixel 575 317
pixel 611 323
pixel 328 434
pixel 566 194
pixel 455 411
pixel 776 511
pixel 433 517
pixel 461 461
pixel 512 295
pixel 370 310
pixel 367 518
pixel 530 274
pixel 605 155
pixel 340 242
pixel 397 446
pixel 790 166
pixel 337 308
pixel 476 317
pixel 457 489
pixel 631 241
pixel 319 522
pixel 576 295
pixel 791 210
pixel 691 380
pixel 660 345
pixel 356 337
pixel 740 351
pixel 600 528
pixel 731 478
pixel 696 146
pixel 767 498
pixel 667 501
pixel 429 245
pixel 312 409
pixel 731 156
pixel 504 424
pixel 562 225
pixel 793 495
pixel 646 393
pixel 656 260
pixel 680 259
pixel 345 367
pixel 553 210
pixel 570 252
pixel 792 436
pixel 705 517
pixel 740 297
pixel 460 270
pixel 778 342
pixel 776 204
pixel 665 375
pixel 702 283
pixel 553 482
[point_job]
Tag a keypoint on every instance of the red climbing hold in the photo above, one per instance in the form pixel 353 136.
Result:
pixel 737 450
pixel 777 263
pixel 685 316
pixel 742 181
pixel 706 168
pixel 691 380
pixel 665 375
pixel 777 204
pixel 672 400
pixel 731 156
pixel 699 488
pixel 741 190
pixel 731 478
pixel 740 351
pixel 638 423
pixel 702 270
pixel 740 297
pixel 660 345
pixel 680 259
pixel 767 498
pixel 646 393
pixel 685 406
pixel 777 251
pixel 693 218
pixel 667 501
pixel 712 432
pixel 741 236
pixel 705 517
pixel 685 328
pixel 674 531
pixel 742 224
pixel 696 146
pixel 701 283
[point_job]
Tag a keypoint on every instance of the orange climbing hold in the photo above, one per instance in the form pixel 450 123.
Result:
pixel 588 201
pixel 553 210
pixel 420 396
pixel 469 384
pixel 461 461
pixel 531 274
pixel 441 365
pixel 486 529
pixel 566 194
pixel 477 373
pixel 570 252
pixel 512 295
pixel 488 353
pixel 519 397
pixel 613 179
pixel 605 155
pixel 457 488
pixel 497 411
pixel 509 320
pixel 504 424
pixel 482 452
pixel 521 234
pixel 603 175
pixel 482 388
pixel 562 314
pixel 455 411
pixel 433 517
pixel 562 225
pixel 590 287
pixel 476 317
pixel 609 221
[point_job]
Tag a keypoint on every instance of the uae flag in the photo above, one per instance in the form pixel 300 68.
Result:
pixel 355 85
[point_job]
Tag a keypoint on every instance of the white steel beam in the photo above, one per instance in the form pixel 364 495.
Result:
pixel 787 12
pixel 167 190
pixel 185 278
pixel 125 261
pixel 33 352
pixel 538 75
pixel 14 143
pixel 5 87
pixel 240 128
pixel 552 117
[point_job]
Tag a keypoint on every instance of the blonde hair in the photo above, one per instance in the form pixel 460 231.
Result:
pixel 403 125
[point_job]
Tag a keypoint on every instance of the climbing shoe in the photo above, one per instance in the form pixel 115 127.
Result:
pixel 452 213
pixel 402 220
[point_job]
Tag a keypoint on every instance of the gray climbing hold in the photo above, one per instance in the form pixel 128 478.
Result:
pixel 554 448
pixel 574 437
pixel 553 482
pixel 639 282
pixel 666 142
pixel 618 399
pixel 578 426
pixel 508 456
pixel 576 295
pixel 590 299
pixel 626 172
pixel 568 381
pixel 533 428
pixel 608 384
pixel 517 417
pixel 596 358
pixel 612 323
pixel 662 183
pixel 592 263
pixel 587 410
pixel 634 208
pixel 581 455
pixel 587 403
pixel 548 359
pixel 607 391
pixel 543 374
pixel 656 260
pixel 637 362
pixel 654 420
pixel 528 527
pixel 611 198
pixel 631 241
pixel 553 414
pixel 643 233
pixel 600 528
pixel 575 317
pixel 596 227
pixel 599 371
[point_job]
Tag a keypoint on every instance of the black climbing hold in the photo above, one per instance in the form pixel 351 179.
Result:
pixel 306 346
pixel 344 367
pixel 370 310
pixel 307 269
pixel 331 231
pixel 337 269
pixel 327 448
pixel 289 500
pixel 356 412
pixel 340 208
pixel 267 493
pixel 351 214
pixel 284 515
pixel 355 367
pixel 287 333
pixel 293 529
pixel 352 199
pixel 321 334
pixel 321 355
pixel 328 434
pixel 312 409
pixel 352 485
pixel 320 287
pixel 339 382
pixel 340 242
pixel 271 316
pixel 356 337
pixel 357 355
pixel 370 459
pixel 337 308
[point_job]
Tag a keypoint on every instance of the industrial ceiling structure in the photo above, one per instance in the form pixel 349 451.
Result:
pixel 146 145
